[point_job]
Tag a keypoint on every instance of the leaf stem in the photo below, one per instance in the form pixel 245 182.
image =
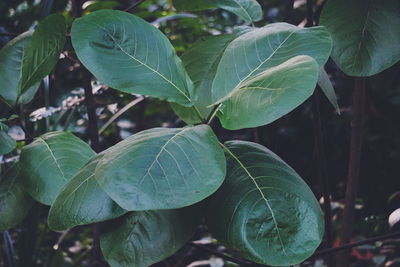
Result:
pixel 213 114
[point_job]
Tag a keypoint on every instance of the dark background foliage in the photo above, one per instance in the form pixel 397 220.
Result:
pixel 291 137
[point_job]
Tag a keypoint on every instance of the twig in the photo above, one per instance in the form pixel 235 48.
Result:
pixel 288 11
pixel 357 129
pixel 355 244
pixel 322 172
pixel 120 112
pixel 134 5
pixel 222 255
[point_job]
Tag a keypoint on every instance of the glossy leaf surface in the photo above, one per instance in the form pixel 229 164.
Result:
pixel 14 201
pixel 365 34
pixel 147 237
pixel 264 210
pixel 50 161
pixel 163 168
pixel 248 10
pixel 129 54
pixel 258 50
pixel 11 58
pixel 270 95
pixel 82 201
pixel 43 51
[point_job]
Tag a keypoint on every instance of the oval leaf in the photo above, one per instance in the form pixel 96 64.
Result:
pixel 163 168
pixel 82 201
pixel 260 49
pixel 7 143
pixel 15 203
pixel 129 54
pixel 43 51
pixel 201 62
pixel 270 94
pixel 147 237
pixel 50 161
pixel 11 58
pixel 248 10
pixel 264 210
pixel 365 34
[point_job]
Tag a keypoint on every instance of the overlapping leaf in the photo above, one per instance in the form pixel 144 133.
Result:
pixel 129 54
pixel 50 161
pixel 82 201
pixel 11 60
pixel 43 51
pixel 365 34
pixel 7 143
pixel 270 94
pixel 14 202
pixel 264 210
pixel 201 62
pixel 147 237
pixel 263 48
pixel 248 10
pixel 162 168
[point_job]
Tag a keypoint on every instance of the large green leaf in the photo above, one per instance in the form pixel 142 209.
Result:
pixel 248 10
pixel 11 58
pixel 263 48
pixel 7 143
pixel 129 54
pixel 43 51
pixel 14 202
pixel 365 34
pixel 147 237
pixel 270 94
pixel 201 62
pixel 264 210
pixel 50 161
pixel 163 168
pixel 82 201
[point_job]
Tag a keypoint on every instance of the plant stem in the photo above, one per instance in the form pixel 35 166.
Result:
pixel 288 11
pixel 91 110
pixel 9 249
pixel 355 244
pixel 357 129
pixel 137 3
pixel 322 172
pixel 213 114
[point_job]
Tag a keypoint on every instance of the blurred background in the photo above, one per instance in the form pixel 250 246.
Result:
pixel 291 137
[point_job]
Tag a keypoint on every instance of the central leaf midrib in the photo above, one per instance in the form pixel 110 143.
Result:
pixel 259 190
pixel 53 157
pixel 143 64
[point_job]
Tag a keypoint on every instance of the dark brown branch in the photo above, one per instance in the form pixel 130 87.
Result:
pixel 357 129
pixel 288 11
pixel 134 5
pixel 355 244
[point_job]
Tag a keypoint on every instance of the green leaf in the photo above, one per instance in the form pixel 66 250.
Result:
pixel 82 201
pixel 43 51
pixel 50 161
pixel 248 10
pixel 14 202
pixel 327 88
pixel 263 48
pixel 11 58
pixel 270 95
pixel 365 34
pixel 264 210
pixel 129 54
pixel 147 237
pixel 7 143
pixel 163 168
pixel 201 62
